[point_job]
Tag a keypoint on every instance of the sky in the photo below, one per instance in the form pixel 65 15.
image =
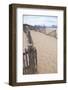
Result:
pixel 40 20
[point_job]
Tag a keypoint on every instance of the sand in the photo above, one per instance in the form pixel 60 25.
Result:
pixel 46 52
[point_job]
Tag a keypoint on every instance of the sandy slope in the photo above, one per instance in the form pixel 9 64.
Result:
pixel 46 52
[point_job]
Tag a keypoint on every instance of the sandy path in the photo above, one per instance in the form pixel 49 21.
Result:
pixel 46 52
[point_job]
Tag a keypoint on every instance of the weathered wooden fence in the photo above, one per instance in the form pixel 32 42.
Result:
pixel 30 61
pixel 30 56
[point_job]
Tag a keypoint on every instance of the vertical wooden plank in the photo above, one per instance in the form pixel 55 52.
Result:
pixel 26 58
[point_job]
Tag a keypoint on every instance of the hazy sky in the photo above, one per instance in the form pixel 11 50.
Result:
pixel 40 20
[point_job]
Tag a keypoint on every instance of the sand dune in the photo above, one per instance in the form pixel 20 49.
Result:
pixel 53 34
pixel 46 52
